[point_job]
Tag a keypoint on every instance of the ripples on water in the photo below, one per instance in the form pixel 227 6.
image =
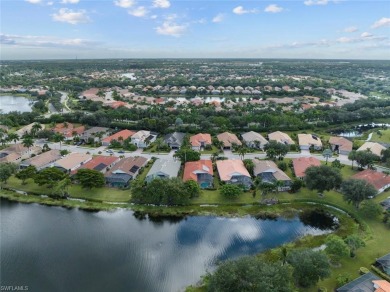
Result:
pixel 55 249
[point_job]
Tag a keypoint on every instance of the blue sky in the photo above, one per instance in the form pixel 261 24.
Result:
pixel 57 29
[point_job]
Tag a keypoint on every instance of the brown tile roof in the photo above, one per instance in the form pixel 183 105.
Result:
pixel 228 168
pixel 194 167
pixel 301 164
pixel 43 159
pixel 309 139
pixel 72 160
pixel 377 179
pixel 129 165
pixel 124 134
pixel 198 138
pixel 375 148
pixel 280 137
pixel 343 143
pixel 269 166
pixel 228 139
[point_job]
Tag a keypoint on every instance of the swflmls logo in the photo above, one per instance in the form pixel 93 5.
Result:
pixel 14 288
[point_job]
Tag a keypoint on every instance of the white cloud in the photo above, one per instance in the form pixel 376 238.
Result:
pixel 366 35
pixel 140 11
pixel 70 16
pixel 70 1
pixel 124 3
pixel 218 18
pixel 34 1
pixel 345 40
pixel 50 3
pixel 384 21
pixel 273 8
pixel 154 16
pixel 240 10
pixel 350 29
pixel 171 28
pixel 161 3
pixel 315 2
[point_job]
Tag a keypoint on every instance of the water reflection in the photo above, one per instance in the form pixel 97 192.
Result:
pixel 14 103
pixel 54 249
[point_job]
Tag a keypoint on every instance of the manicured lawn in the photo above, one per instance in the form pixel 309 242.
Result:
pixel 213 150
pixel 153 149
pixel 385 137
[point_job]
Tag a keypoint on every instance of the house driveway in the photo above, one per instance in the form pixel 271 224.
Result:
pixel 305 153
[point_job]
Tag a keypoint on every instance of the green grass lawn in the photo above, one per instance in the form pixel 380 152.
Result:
pixel 384 138
pixel 213 150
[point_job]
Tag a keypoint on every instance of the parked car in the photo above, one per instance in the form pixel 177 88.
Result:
pixel 109 151
pixel 121 151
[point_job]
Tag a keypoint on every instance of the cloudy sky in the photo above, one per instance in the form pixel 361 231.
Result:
pixel 47 29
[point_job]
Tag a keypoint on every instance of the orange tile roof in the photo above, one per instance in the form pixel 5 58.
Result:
pixel 100 159
pixel 124 134
pixel 193 167
pixel 377 179
pixel 383 285
pixel 228 168
pixel 198 138
pixel 302 163
pixel 343 143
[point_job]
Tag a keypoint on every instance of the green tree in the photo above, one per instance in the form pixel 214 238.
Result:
pixel 60 189
pixel 356 190
pixel 250 274
pixel 354 242
pixel 28 142
pixel 230 191
pixel 336 247
pixel 6 171
pixel 26 173
pixel 242 150
pixel 192 188
pixel 366 159
pixel 36 127
pixel 370 209
pixel 309 266
pixel 296 185
pixel 327 153
pixel 275 150
pixel 352 156
pixel 336 164
pixel 322 178
pixel 49 176
pixel 59 138
pixel 187 154
pixel 13 137
pixel 90 178
pixel 45 148
pixel 249 165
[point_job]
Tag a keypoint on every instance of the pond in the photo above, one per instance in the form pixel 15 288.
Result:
pixel 14 103
pixel 57 249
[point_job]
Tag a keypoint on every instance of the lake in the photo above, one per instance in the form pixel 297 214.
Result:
pixel 58 249
pixel 14 103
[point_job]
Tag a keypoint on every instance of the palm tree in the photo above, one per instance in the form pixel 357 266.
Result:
pixel 13 137
pixel 58 137
pixel 28 142
pixel 352 156
pixel 214 156
pixel 327 153
pixel 242 150
pixel 35 129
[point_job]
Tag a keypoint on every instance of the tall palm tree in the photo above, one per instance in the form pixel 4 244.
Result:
pixel 13 137
pixel 58 137
pixel 35 129
pixel 28 142
pixel 327 153
pixel 242 150
pixel 352 157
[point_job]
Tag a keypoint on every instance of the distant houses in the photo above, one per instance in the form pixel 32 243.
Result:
pixel 373 147
pixel 269 172
pixel 16 152
pixel 301 164
pixel 254 140
pixel 200 171
pixel 95 133
pixel 228 140
pixel 340 145
pixel 68 130
pixel 163 168
pixel 124 171
pixel 308 141
pixel 200 141
pixel 234 172
pixel 280 137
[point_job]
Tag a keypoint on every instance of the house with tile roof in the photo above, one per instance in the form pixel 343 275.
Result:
pixel 254 140
pixel 42 161
pixel 200 171
pixel 68 130
pixel 269 172
pixel 143 139
pixel 302 163
pixel 72 161
pixel 174 140
pixel 228 140
pixel 163 168
pixel 124 171
pixel 280 137
pixel 379 180
pixel 94 133
pixel 200 141
pixel 373 147
pixel 119 136
pixel 364 283
pixel 340 145
pixel 308 141
pixel 100 163
pixel 17 152
pixel 233 171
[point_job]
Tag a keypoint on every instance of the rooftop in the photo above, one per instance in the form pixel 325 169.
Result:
pixel 192 168
pixel 301 164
